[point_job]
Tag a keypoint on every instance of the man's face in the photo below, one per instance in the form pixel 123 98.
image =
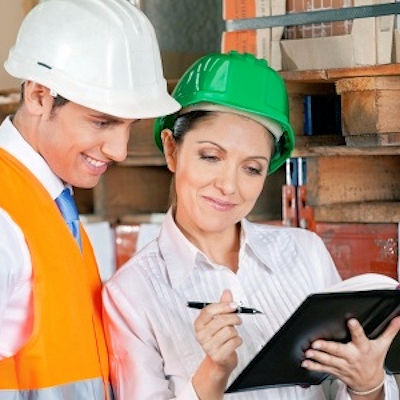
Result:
pixel 79 143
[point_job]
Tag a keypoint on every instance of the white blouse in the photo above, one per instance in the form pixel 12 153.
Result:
pixel 150 331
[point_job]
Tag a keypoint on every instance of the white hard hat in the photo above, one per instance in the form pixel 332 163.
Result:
pixel 102 54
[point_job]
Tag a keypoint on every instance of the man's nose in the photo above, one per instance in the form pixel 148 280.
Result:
pixel 115 146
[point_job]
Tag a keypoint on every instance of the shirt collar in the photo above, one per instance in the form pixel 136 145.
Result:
pixel 182 256
pixel 271 245
pixel 178 252
pixel 14 143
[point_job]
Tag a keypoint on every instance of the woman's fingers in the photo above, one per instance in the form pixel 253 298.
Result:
pixel 206 332
pixel 357 333
pixel 323 358
pixel 226 296
pixel 390 332
pixel 358 363
pixel 314 365
pixel 224 306
pixel 225 339
pixel 215 330
pixel 223 353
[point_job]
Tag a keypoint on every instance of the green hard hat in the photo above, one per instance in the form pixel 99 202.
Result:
pixel 240 82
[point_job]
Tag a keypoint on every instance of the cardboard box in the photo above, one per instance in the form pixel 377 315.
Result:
pixel 341 44
pixel 263 43
pixel 322 29
pixel 369 43
pixel 238 9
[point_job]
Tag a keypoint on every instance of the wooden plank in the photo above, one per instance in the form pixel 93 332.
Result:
pixel 373 70
pixel 132 190
pixel 359 113
pixel 314 150
pixel 138 160
pixel 368 106
pixel 310 88
pixel 321 140
pixel 368 83
pixel 352 179
pixel 141 142
pixel 364 212
pixel 305 76
pixel 296 112
pixel 370 140
pixel 335 74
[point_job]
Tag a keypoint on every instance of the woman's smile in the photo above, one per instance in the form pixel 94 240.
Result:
pixel 219 205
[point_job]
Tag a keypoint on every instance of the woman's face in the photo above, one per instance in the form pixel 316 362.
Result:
pixel 220 169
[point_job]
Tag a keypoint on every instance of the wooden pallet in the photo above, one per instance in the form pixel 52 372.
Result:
pixel 353 178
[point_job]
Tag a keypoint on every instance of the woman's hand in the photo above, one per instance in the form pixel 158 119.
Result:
pixel 359 363
pixel 215 331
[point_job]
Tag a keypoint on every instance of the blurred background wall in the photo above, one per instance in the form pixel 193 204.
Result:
pixel 11 14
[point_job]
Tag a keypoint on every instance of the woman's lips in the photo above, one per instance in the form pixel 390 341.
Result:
pixel 219 205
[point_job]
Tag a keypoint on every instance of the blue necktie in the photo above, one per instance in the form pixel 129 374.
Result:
pixel 67 206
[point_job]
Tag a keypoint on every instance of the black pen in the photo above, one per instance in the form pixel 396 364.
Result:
pixel 242 310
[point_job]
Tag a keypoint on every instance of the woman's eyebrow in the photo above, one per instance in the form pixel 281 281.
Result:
pixel 211 142
pixel 258 157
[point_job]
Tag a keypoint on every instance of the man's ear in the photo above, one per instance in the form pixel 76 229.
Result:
pixel 37 98
pixel 170 149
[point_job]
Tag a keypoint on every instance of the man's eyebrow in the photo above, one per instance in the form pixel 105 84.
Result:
pixel 105 116
pixel 109 118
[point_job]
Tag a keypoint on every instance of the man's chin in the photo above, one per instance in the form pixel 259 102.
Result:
pixel 88 184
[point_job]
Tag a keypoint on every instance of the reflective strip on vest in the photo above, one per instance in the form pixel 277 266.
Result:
pixel 90 389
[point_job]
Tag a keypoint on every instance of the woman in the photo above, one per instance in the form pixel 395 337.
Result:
pixel 233 130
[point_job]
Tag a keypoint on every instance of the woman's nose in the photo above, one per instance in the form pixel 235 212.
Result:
pixel 226 181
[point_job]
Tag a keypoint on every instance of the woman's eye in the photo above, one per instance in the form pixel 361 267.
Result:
pixel 253 171
pixel 208 157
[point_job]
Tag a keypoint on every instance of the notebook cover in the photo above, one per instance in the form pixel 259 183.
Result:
pixel 320 316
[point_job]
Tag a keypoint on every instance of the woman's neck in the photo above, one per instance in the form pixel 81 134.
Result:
pixel 220 247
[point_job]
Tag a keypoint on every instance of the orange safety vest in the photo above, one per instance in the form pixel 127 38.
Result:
pixel 66 351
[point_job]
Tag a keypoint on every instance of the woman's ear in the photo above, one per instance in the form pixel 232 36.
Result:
pixel 170 148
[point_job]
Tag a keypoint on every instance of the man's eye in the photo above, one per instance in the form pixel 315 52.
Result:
pixel 101 124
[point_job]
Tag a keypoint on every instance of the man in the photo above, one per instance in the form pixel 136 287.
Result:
pixel 90 68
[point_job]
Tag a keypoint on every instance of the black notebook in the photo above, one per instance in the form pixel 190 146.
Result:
pixel 371 298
